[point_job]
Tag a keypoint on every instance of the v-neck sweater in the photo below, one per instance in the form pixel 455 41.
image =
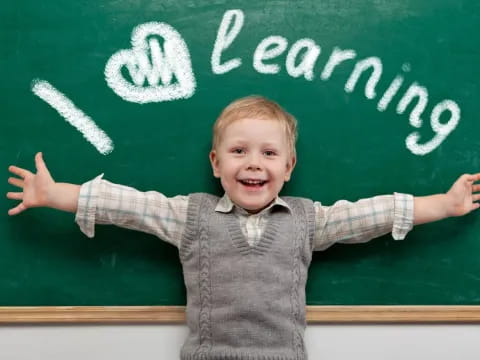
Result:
pixel 246 302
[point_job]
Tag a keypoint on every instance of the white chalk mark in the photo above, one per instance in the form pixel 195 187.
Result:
pixel 414 91
pixel 308 60
pixel 360 67
pixel 406 67
pixel 267 49
pixel 336 58
pixel 159 67
pixel 441 130
pixel 224 39
pixel 73 115
pixel 390 93
pixel 422 149
pixel 452 123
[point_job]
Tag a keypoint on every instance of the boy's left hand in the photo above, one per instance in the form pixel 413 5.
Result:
pixel 462 195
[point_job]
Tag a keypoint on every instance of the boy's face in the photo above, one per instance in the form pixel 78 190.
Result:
pixel 253 161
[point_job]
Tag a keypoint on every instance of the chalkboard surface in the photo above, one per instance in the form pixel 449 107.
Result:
pixel 386 94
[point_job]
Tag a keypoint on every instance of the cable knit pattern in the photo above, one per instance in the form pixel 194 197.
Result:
pixel 246 302
pixel 302 231
pixel 205 291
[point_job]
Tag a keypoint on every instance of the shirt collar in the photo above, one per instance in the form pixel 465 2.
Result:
pixel 225 205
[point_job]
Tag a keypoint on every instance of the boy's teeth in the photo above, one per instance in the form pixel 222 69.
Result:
pixel 252 181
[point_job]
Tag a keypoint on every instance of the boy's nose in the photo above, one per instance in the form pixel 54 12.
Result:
pixel 253 167
pixel 254 163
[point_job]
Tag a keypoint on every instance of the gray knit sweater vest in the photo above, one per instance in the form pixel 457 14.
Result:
pixel 246 302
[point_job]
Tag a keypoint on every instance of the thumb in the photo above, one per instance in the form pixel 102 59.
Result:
pixel 40 164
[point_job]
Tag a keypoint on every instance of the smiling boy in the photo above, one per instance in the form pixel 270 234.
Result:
pixel 253 159
pixel 245 256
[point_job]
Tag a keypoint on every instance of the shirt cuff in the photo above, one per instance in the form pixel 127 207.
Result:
pixel 87 206
pixel 403 215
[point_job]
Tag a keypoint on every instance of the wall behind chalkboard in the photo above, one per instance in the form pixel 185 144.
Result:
pixel 386 94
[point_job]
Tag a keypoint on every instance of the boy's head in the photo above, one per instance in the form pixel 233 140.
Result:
pixel 253 151
pixel 260 108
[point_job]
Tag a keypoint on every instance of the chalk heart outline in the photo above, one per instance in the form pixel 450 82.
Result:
pixel 177 58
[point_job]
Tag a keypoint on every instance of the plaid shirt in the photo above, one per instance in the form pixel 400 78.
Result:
pixel 101 202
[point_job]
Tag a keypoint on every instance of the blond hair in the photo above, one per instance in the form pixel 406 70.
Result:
pixel 257 107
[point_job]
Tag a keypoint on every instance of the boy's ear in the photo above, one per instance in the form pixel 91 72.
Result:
pixel 290 166
pixel 214 161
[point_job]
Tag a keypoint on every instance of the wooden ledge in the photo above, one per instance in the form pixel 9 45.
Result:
pixel 176 314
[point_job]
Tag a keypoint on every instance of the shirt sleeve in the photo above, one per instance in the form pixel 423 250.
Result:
pixel 360 221
pixel 102 202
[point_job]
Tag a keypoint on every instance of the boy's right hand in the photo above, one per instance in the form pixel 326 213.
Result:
pixel 37 188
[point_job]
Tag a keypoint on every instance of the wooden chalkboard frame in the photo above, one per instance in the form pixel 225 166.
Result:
pixel 176 314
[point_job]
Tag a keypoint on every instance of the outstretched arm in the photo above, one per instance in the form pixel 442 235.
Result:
pixel 40 190
pixel 459 200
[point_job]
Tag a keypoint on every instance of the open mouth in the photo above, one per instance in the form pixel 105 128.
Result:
pixel 252 183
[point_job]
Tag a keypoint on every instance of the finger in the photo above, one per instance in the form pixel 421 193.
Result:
pixel 19 171
pixel 475 197
pixel 474 177
pixel 40 163
pixel 475 188
pixel 17 209
pixel 16 182
pixel 15 195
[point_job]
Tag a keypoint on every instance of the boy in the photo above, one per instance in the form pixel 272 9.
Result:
pixel 245 256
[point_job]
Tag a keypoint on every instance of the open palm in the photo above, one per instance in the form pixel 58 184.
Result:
pixel 463 195
pixel 35 187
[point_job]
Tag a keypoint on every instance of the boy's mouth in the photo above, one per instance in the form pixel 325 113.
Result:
pixel 252 183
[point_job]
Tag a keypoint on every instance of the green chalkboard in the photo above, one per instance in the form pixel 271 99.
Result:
pixel 386 94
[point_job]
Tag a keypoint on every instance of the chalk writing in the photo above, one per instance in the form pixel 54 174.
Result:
pixel 273 46
pixel 163 72
pixel 73 115
pixel 158 69
pixel 224 40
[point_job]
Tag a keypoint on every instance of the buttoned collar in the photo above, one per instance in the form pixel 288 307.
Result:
pixel 225 205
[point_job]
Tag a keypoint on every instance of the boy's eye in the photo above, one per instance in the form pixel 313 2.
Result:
pixel 269 153
pixel 238 151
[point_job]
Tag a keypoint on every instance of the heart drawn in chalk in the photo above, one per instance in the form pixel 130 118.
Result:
pixel 151 76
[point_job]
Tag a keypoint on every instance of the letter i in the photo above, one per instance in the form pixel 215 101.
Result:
pixel 392 89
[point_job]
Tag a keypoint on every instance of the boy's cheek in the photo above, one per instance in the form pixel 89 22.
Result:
pixel 216 172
